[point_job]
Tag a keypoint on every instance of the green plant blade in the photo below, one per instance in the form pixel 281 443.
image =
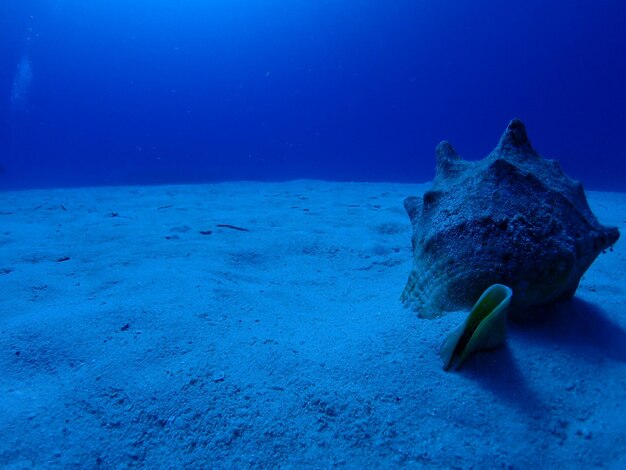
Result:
pixel 484 328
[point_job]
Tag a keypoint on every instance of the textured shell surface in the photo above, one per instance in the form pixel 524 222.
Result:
pixel 513 218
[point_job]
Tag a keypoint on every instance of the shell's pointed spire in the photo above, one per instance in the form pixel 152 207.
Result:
pixel 515 140
pixel 447 158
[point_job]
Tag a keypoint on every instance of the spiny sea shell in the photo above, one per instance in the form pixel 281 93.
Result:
pixel 513 218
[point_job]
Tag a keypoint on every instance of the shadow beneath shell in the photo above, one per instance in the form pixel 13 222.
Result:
pixel 576 325
pixel 497 371
pixel 579 326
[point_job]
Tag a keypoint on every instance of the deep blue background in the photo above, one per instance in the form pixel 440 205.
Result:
pixel 148 91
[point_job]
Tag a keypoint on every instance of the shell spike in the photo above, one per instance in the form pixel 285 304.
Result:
pixel 413 206
pixel 447 158
pixel 515 140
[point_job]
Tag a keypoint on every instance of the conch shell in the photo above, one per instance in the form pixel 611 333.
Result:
pixel 513 218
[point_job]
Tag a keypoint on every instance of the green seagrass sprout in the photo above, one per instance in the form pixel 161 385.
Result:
pixel 484 328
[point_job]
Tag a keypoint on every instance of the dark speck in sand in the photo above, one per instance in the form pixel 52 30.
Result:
pixel 233 227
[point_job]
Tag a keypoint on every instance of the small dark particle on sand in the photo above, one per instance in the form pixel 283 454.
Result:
pixel 5 213
pixel 206 232
pixel 125 327
pixel 165 207
pixel 241 229
pixel 172 237
pixel 63 207
pixel 63 258
pixel 114 214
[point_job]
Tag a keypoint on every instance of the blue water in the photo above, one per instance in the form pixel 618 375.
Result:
pixel 155 91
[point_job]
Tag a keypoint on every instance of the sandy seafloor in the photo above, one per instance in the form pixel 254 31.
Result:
pixel 129 338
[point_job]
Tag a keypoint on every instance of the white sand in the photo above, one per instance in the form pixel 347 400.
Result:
pixel 287 345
